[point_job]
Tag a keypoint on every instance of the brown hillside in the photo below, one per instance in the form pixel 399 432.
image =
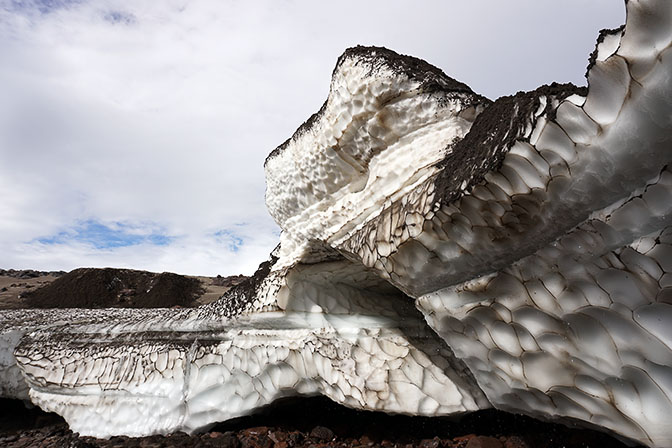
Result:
pixel 116 288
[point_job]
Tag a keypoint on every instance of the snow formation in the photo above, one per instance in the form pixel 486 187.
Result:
pixel 440 253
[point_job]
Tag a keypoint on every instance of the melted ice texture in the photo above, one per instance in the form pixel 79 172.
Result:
pixel 378 138
pixel 169 371
pixel 545 289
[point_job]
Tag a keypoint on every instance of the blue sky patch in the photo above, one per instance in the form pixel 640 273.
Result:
pixel 107 236
pixel 119 17
pixel 43 6
pixel 230 239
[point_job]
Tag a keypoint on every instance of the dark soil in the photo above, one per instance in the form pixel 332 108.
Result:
pixel 116 288
pixel 316 422
pixel 491 136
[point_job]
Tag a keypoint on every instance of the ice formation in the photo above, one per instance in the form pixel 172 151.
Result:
pixel 440 253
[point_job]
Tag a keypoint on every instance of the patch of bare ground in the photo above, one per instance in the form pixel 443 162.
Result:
pixel 108 287
pixel 316 422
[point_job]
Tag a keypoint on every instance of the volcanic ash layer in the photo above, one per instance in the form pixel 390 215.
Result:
pixel 440 253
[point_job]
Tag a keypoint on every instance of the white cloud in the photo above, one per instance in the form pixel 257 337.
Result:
pixel 163 112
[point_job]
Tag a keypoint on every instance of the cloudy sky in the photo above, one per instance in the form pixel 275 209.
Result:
pixel 133 133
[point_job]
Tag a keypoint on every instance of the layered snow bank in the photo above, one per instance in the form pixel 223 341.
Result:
pixel 112 373
pixel 388 119
pixel 533 233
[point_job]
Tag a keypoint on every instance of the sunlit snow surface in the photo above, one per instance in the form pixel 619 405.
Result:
pixel 534 234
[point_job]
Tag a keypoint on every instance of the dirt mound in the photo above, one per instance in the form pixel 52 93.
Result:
pixel 116 288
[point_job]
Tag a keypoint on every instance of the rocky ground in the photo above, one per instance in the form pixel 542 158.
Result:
pixel 309 422
pixel 317 422
pixel 15 284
